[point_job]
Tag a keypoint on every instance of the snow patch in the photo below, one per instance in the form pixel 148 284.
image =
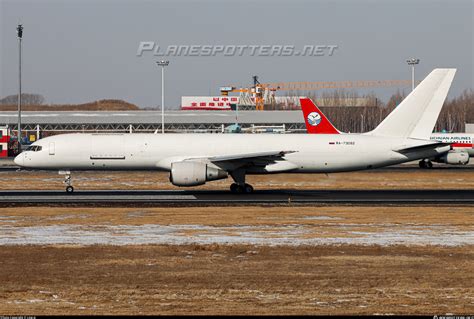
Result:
pixel 292 235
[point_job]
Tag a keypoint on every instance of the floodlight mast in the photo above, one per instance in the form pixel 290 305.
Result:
pixel 19 34
pixel 413 62
pixel 163 64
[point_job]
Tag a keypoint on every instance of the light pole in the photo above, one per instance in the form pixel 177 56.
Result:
pixel 163 64
pixel 19 34
pixel 413 62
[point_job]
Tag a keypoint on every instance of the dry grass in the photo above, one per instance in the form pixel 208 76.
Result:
pixel 235 280
pixel 238 279
pixel 395 179
pixel 459 217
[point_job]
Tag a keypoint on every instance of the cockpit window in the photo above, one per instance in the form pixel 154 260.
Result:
pixel 34 148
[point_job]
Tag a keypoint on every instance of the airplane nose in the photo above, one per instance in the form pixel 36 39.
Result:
pixel 19 160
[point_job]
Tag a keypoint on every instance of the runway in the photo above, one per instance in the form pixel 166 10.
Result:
pixel 205 197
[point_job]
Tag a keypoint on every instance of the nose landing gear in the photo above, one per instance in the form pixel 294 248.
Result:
pixel 67 181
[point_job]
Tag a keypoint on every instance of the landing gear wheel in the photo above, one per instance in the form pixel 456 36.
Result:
pixel 235 188
pixel 248 188
pixel 240 186
pixel 425 164
pixel 422 164
pixel 68 182
pixel 239 189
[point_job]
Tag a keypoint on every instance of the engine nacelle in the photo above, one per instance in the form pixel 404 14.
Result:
pixel 456 158
pixel 194 173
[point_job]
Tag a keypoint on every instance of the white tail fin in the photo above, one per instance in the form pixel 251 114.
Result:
pixel 416 116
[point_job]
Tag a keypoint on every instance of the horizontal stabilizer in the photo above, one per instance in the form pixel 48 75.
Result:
pixel 420 148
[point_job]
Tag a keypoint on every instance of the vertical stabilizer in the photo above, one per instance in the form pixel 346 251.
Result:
pixel 316 122
pixel 416 116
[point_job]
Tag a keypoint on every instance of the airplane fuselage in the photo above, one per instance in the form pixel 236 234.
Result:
pixel 310 153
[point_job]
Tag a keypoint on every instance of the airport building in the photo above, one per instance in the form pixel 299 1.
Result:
pixel 47 123
pixel 469 127
pixel 284 103
pixel 244 102
pixel 38 124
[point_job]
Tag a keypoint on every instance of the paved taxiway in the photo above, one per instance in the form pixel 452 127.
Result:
pixel 206 197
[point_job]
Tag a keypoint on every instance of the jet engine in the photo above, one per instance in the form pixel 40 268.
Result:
pixel 456 158
pixel 194 173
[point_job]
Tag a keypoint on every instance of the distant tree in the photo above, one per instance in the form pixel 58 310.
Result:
pixel 395 99
pixel 456 113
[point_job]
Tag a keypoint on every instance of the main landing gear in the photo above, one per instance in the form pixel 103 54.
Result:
pixel 425 163
pixel 240 187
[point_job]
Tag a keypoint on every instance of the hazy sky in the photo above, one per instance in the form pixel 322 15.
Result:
pixel 80 50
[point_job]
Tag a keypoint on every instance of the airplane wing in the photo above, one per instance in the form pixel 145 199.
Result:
pixel 269 156
pixel 234 161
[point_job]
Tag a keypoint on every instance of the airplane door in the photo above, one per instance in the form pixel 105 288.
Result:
pixel 51 149
pixel 106 154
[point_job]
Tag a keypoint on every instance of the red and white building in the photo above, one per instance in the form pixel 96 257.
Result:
pixel 4 140
pixel 208 103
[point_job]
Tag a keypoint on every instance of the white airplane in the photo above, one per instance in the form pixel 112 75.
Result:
pixel 194 159
pixel 459 154
pixel 461 149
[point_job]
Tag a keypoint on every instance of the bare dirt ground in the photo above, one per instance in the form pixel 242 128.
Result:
pixel 214 279
pixel 424 271
pixel 391 179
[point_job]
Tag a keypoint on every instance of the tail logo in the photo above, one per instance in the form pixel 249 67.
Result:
pixel 314 118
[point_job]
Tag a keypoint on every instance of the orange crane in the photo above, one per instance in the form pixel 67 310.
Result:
pixel 258 89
